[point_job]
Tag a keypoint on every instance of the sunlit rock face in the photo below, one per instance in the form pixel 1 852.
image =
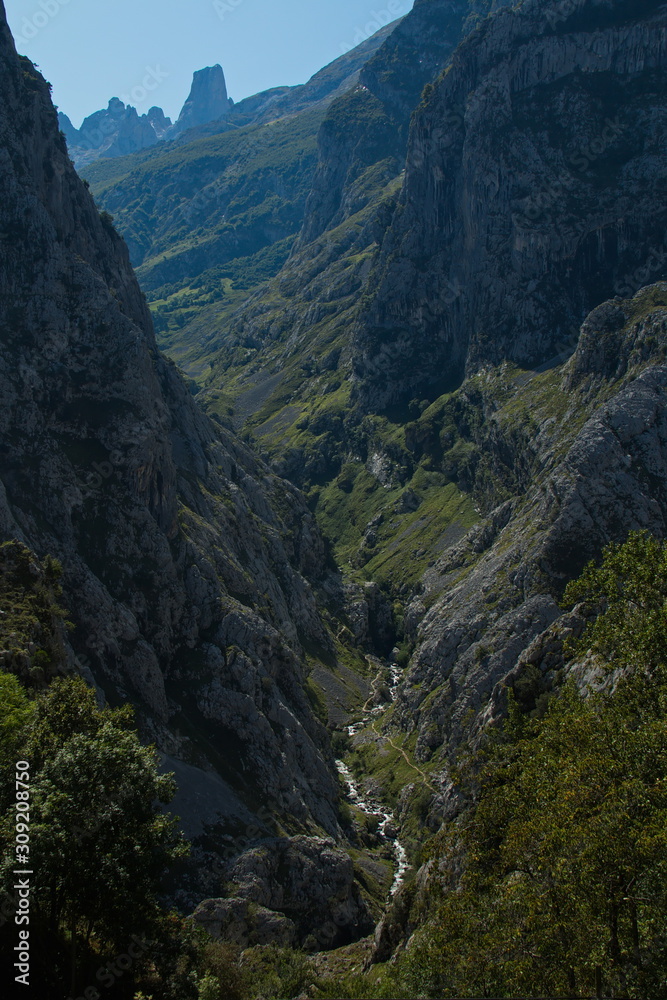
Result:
pixel 208 100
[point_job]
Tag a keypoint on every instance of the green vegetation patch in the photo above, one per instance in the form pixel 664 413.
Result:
pixel 31 619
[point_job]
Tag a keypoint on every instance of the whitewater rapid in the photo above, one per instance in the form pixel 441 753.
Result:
pixel 369 805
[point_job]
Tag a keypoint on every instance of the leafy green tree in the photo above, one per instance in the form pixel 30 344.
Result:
pixel 277 973
pixel 99 839
pixel 32 622
pixel 17 711
pixel 626 597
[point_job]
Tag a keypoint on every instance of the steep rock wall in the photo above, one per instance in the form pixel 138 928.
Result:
pixel 533 192
pixel 184 559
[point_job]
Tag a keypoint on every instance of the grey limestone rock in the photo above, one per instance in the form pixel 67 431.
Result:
pixel 208 100
pixel 184 556
pixel 309 881
pixel 529 198
pixel 116 131
pixel 242 922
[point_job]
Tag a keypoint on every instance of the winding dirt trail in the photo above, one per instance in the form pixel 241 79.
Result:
pixel 404 755
pixel 376 686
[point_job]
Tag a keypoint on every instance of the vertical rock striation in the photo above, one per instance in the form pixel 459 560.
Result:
pixel 208 100
pixel 369 126
pixel 185 560
pixel 533 192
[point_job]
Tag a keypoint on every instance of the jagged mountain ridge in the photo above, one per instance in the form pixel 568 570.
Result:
pixel 118 131
pixel 319 92
pixel 361 152
pixel 184 558
pixel 216 213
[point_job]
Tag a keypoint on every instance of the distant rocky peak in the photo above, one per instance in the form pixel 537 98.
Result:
pixel 116 130
pixel 66 127
pixel 159 121
pixel 208 100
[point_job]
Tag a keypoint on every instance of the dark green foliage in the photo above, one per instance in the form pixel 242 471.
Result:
pixel 31 620
pixel 98 842
pixel 627 595
pixel 107 221
pixel 565 862
pixel 277 973
pixel 16 711
pixel 531 691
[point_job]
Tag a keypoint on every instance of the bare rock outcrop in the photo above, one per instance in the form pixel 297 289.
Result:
pixel 295 889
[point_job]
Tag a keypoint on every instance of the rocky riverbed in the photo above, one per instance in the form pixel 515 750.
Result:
pixel 368 803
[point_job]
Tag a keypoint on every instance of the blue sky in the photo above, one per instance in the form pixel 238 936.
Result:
pixel 145 51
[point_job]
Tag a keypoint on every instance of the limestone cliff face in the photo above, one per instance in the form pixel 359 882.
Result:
pixel 533 192
pixel 594 468
pixel 184 558
pixel 207 102
pixel 369 126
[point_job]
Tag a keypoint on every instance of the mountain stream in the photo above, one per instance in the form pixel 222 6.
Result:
pixel 372 806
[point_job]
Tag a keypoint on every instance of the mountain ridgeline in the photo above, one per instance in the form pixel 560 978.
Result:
pixel 119 130
pixel 419 307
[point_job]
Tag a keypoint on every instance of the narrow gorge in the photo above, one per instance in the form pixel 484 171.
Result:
pixel 333 483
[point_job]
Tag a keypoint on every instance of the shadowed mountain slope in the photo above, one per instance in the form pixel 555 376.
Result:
pixel 185 560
